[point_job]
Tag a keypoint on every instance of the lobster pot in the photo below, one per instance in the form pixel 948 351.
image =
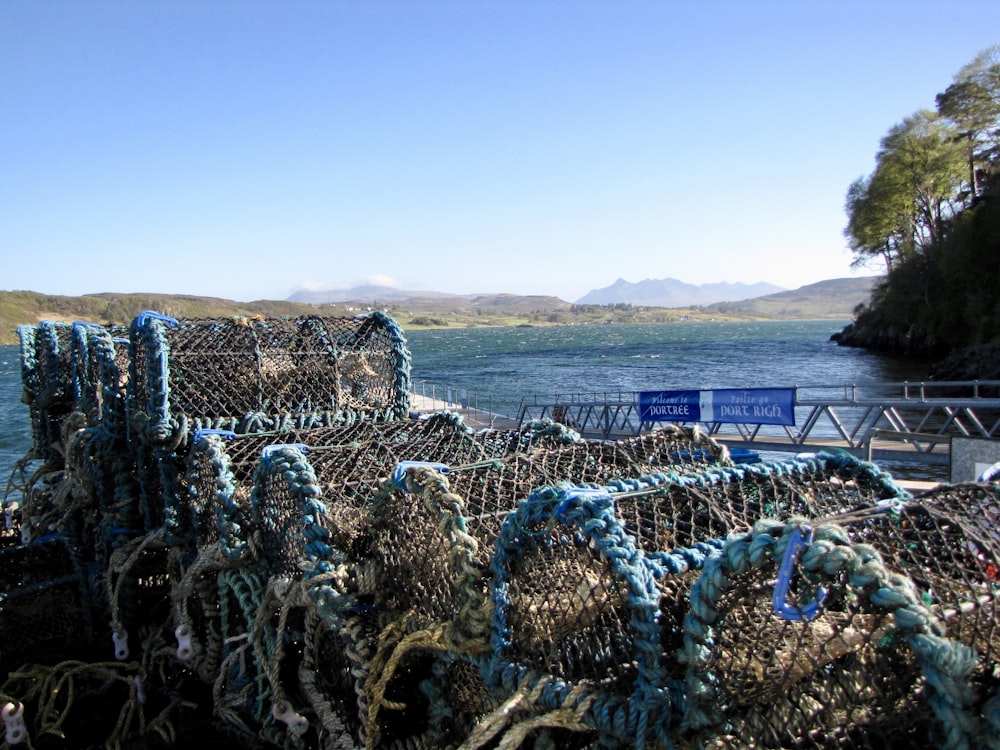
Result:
pixel 139 582
pixel 245 681
pixel 350 459
pixel 197 616
pixel 801 637
pixel 258 375
pixel 947 542
pixel 425 580
pixel 677 447
pixel 288 513
pixel 71 505
pixel 350 463
pixel 680 510
pixel 10 526
pixel 100 373
pixel 424 569
pixel 537 433
pixel 335 664
pixel 31 385
pixel 46 372
pixel 574 616
pixel 54 352
pixel 490 489
pixel 263 639
pixel 45 605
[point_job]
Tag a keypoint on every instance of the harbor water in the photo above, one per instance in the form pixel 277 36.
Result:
pixel 500 366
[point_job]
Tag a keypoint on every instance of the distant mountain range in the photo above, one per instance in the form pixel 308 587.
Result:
pixel 844 294
pixel 832 299
pixel 673 293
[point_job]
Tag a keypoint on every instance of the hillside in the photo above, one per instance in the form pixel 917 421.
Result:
pixel 834 299
pixel 27 308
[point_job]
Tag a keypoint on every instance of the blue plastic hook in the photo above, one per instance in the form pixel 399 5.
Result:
pixel 800 539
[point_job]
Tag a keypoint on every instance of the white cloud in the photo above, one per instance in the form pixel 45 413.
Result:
pixel 312 286
pixel 375 279
pixel 378 279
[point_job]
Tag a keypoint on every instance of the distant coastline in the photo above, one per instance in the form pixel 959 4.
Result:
pixel 824 301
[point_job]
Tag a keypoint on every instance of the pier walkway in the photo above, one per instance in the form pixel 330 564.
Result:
pixel 876 421
pixel 910 422
pixel 473 415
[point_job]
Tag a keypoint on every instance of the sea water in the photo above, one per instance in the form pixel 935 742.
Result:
pixel 507 364
pixel 499 366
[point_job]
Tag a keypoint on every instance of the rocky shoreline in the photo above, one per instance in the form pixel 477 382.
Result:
pixel 978 362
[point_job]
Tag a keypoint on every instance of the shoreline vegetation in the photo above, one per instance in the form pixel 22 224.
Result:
pixel 829 300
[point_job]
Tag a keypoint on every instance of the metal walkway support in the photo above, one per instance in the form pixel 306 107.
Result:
pixel 900 421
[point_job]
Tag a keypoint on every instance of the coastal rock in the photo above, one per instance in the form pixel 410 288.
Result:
pixel 979 362
pixel 970 363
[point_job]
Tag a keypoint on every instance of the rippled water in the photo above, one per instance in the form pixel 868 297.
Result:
pixel 15 435
pixel 510 363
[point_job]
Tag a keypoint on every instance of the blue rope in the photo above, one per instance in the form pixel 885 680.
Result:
pixel 590 513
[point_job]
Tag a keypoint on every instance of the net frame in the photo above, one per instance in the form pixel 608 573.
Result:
pixel 259 375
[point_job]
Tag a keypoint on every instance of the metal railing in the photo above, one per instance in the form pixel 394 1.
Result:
pixel 916 419
pixel 477 409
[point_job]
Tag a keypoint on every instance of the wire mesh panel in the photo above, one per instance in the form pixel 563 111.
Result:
pixel 680 510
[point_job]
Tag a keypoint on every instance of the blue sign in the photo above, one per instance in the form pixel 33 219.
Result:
pixel 738 405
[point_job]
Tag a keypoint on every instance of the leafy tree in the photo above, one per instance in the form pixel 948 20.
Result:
pixel 972 103
pixel 901 208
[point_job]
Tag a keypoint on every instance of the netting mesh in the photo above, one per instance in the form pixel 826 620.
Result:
pixel 45 607
pixel 237 525
pixel 255 375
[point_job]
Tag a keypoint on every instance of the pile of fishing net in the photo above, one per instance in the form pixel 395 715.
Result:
pixel 238 528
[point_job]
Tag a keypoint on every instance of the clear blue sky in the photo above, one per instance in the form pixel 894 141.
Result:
pixel 247 149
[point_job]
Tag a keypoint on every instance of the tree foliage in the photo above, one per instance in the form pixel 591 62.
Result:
pixel 972 103
pixel 901 208
pixel 930 213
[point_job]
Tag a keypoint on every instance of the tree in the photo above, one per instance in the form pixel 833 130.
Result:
pixel 875 231
pixel 901 208
pixel 972 103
